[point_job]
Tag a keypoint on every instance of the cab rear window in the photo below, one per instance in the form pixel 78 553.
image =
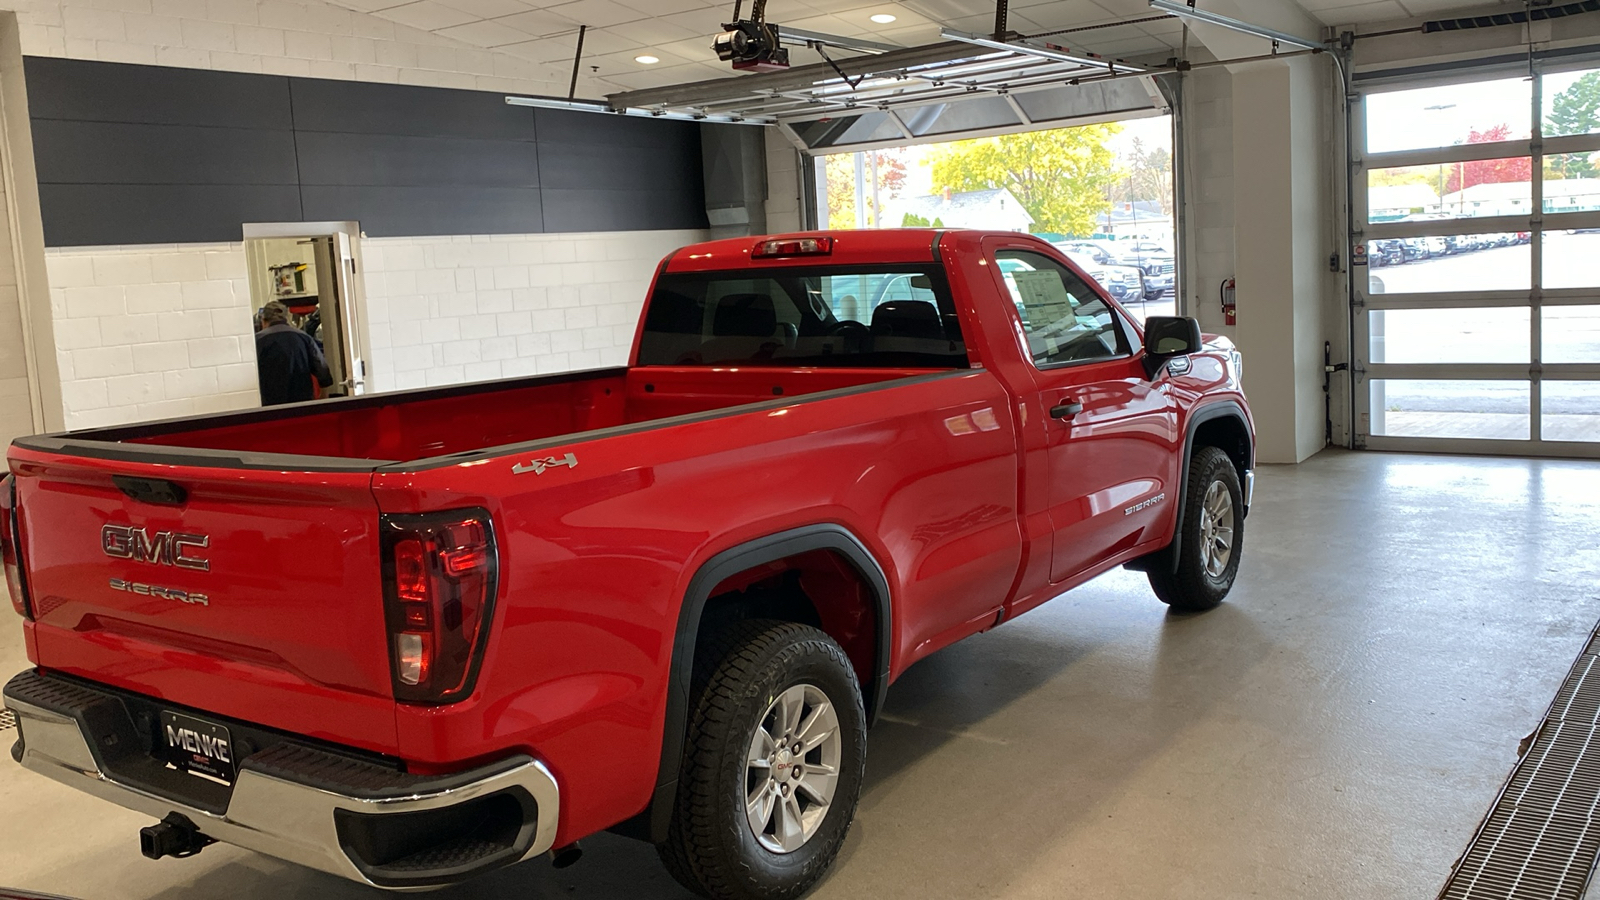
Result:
pixel 892 317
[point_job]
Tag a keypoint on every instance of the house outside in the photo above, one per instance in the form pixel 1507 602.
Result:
pixel 1515 198
pixel 1135 219
pixel 997 210
pixel 1393 202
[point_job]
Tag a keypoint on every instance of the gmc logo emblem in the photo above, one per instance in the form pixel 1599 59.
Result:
pixel 164 548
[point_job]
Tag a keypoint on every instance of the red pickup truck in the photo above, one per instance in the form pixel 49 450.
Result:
pixel 413 637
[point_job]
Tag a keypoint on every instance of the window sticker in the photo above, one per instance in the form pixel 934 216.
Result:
pixel 1044 295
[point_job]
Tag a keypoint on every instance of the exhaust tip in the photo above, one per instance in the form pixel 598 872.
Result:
pixel 173 836
pixel 562 857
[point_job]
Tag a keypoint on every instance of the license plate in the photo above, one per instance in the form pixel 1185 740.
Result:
pixel 197 747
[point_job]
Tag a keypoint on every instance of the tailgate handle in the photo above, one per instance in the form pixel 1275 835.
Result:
pixel 151 490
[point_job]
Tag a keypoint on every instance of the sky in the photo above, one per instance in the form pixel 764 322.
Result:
pixel 1442 116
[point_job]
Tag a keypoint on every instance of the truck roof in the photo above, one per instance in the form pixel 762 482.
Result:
pixel 864 247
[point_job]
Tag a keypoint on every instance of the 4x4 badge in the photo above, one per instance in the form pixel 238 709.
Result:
pixel 538 466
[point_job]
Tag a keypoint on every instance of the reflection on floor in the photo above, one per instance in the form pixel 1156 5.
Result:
pixel 1335 730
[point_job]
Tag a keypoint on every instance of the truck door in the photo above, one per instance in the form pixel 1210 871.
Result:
pixel 1111 433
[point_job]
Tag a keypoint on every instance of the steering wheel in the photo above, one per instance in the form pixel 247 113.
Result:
pixel 848 328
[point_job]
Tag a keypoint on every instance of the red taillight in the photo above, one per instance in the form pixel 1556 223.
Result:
pixel 11 547
pixel 812 246
pixel 410 571
pixel 439 573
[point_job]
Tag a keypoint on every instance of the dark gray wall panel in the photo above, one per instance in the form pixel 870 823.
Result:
pixel 609 167
pixel 351 106
pixel 141 154
pixel 82 214
pixel 69 152
pixel 113 92
pixel 388 159
pixel 566 211
pixel 443 209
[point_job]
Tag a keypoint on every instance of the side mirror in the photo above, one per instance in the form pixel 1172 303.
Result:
pixel 1167 337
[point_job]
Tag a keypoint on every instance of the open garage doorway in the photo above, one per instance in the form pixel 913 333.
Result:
pixel 1477 320
pixel 1102 193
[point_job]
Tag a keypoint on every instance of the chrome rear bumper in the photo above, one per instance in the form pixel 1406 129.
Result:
pixel 299 803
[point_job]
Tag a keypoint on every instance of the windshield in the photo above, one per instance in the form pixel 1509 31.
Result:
pixel 899 317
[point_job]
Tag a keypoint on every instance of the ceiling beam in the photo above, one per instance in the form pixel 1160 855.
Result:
pixel 1285 16
pixel 743 87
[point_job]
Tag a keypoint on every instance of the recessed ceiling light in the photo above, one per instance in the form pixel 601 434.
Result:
pixel 883 18
pixel 647 60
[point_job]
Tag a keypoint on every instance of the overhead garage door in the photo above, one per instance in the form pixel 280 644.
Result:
pixel 1477 200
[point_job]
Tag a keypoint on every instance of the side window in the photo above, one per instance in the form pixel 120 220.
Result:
pixel 1064 319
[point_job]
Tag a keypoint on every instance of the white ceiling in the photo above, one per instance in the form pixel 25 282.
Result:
pixel 678 32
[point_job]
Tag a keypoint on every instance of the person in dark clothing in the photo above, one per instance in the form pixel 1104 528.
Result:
pixel 286 359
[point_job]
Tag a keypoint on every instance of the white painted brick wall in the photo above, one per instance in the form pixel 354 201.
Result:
pixel 158 331
pixel 151 331
pixel 450 309
pixel 307 38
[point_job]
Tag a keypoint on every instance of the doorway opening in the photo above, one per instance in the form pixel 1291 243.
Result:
pixel 1101 193
pixel 310 268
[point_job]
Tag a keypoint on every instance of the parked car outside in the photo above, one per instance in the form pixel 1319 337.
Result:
pixel 1125 284
pixel 1096 250
pixel 1155 260
pixel 1386 253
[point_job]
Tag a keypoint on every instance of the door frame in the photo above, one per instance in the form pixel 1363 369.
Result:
pixel 352 300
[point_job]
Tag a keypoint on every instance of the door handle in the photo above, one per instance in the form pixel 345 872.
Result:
pixel 1065 410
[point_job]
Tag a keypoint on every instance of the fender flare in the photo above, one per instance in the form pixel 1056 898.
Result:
pixel 1220 409
pixel 837 538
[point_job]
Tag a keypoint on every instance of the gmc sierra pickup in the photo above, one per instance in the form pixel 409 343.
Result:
pixel 409 638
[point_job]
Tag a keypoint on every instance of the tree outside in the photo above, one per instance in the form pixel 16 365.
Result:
pixel 1429 175
pixel 1461 176
pixel 1575 110
pixel 1150 175
pixel 1062 177
pixel 841 177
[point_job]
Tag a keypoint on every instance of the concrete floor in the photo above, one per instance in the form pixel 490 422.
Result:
pixel 1335 730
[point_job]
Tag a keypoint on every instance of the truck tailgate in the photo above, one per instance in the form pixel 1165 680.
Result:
pixel 247 593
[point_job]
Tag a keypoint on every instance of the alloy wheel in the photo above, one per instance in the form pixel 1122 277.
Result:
pixel 1216 529
pixel 792 768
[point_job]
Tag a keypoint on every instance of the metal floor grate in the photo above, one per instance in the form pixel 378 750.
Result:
pixel 1541 837
pixel 8 719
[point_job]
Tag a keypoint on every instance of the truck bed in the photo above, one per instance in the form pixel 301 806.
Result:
pixel 407 426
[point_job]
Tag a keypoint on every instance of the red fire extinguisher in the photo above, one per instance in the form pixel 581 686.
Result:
pixel 1230 309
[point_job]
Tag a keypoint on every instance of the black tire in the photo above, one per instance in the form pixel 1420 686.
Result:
pixel 1192 588
pixel 711 848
